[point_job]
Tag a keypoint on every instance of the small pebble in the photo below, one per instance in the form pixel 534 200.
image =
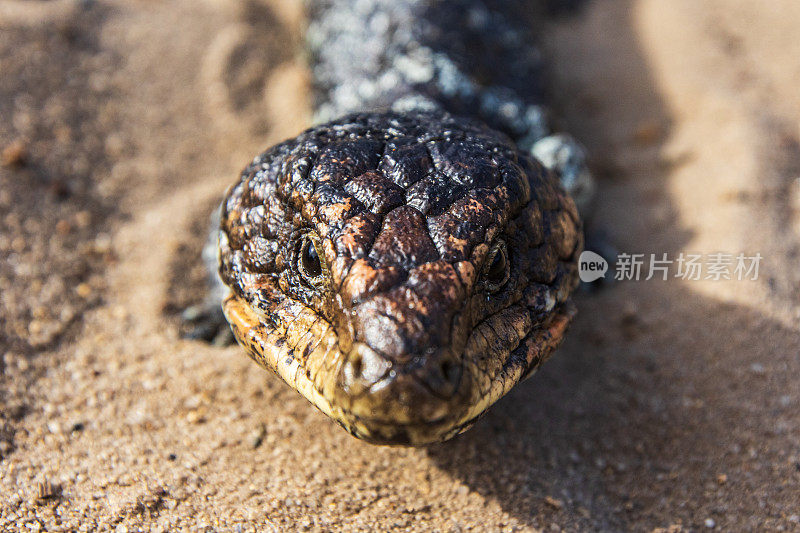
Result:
pixel 710 523
pixel 555 503
pixel 63 227
pixel 83 290
pixel 15 154
pixel 83 219
pixel 195 417
pixel 257 436
pixel 46 490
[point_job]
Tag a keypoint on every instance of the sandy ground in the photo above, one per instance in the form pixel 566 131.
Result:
pixel 673 404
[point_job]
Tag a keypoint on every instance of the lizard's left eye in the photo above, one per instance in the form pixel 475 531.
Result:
pixel 309 263
pixel 498 268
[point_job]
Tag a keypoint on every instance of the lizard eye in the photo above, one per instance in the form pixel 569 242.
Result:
pixel 308 261
pixel 497 269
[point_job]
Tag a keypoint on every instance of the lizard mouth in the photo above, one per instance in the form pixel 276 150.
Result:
pixel 384 404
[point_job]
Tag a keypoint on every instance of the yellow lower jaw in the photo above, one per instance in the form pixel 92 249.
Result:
pixel 279 350
pixel 303 350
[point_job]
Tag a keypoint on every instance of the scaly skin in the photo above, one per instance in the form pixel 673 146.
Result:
pixel 401 271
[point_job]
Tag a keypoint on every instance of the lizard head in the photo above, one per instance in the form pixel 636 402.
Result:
pixel 402 272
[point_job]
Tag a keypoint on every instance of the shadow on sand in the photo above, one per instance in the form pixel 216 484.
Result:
pixel 641 418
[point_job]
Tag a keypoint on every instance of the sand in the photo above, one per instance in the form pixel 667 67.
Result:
pixel 672 404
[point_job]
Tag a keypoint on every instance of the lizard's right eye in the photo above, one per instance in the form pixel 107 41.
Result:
pixel 308 261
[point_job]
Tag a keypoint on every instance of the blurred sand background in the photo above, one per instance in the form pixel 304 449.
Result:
pixel 671 405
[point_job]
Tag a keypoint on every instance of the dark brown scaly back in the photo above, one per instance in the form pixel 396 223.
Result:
pixel 402 271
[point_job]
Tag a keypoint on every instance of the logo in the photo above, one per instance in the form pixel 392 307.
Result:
pixel 591 266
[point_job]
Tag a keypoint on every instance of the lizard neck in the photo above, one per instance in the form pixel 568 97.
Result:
pixel 460 56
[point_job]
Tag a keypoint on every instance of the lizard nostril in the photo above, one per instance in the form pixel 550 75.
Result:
pixel 357 365
pixel 441 378
pixel 363 368
pixel 451 372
